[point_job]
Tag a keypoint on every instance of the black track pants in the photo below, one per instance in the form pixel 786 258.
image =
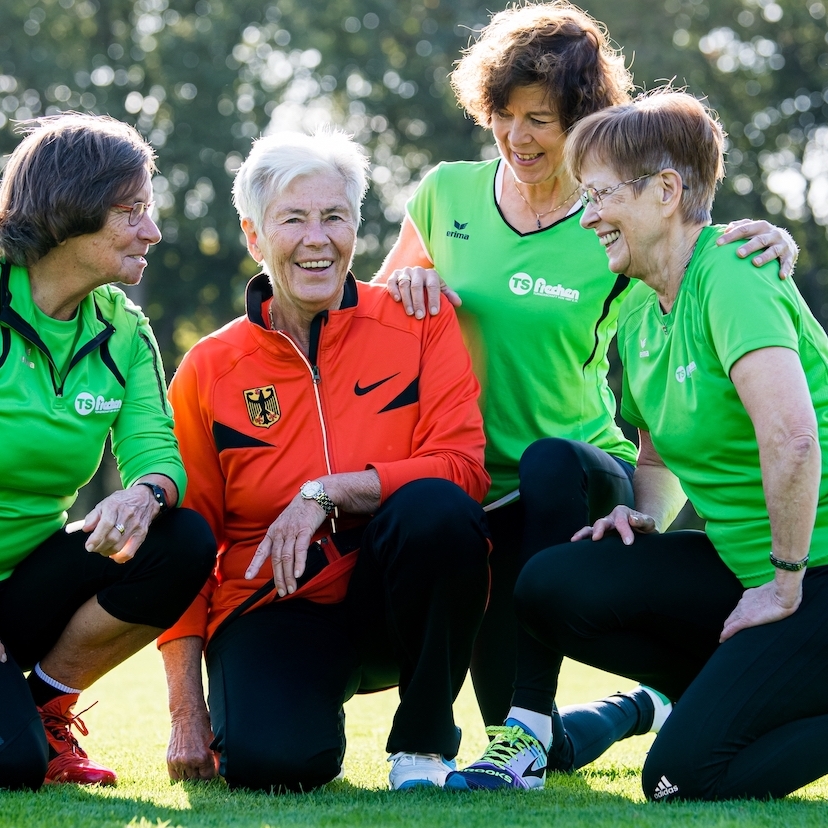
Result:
pixel 752 714
pixel 280 674
pixel 53 582
pixel 564 485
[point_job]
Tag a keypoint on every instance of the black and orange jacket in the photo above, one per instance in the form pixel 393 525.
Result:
pixel 256 418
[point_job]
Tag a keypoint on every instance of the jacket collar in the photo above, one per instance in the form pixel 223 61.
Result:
pixel 259 290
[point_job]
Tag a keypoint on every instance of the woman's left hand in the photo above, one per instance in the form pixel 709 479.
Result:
pixel 286 543
pixel 773 241
pixel 120 522
pixel 621 519
pixel 760 605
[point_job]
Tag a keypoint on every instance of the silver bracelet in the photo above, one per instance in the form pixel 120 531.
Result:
pixel 789 566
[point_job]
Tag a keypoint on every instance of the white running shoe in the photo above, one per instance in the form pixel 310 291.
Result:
pixel 418 770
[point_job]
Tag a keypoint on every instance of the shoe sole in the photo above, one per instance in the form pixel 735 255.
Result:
pixel 411 784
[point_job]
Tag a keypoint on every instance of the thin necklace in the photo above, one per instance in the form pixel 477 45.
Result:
pixel 541 215
pixel 270 316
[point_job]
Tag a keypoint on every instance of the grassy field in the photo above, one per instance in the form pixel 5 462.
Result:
pixel 129 733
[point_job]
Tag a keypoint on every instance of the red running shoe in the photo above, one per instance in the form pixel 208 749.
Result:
pixel 71 763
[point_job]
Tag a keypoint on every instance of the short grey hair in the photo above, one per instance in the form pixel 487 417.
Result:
pixel 275 161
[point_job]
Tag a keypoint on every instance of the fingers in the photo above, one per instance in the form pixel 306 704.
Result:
pixel 417 287
pixel 452 296
pixel 3 656
pixel 769 241
pixel 582 534
pixel 262 554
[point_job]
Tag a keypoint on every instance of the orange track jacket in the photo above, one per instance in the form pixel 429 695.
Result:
pixel 256 418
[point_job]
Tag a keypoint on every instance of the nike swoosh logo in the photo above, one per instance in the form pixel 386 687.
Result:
pixel 533 771
pixel 361 391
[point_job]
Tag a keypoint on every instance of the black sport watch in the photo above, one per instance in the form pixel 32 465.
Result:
pixel 158 493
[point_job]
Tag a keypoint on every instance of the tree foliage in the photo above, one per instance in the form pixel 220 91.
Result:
pixel 202 78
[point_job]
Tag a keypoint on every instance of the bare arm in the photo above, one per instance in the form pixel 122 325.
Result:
pixel 772 386
pixel 658 498
pixel 188 755
pixel 410 277
pixel 773 243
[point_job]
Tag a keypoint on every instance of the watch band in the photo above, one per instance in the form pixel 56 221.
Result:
pixel 321 496
pixel 789 566
pixel 158 493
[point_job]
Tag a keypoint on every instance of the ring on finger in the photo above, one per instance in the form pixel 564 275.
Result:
pixel 120 527
pixel 403 279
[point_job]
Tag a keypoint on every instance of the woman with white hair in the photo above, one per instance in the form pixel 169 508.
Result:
pixel 335 447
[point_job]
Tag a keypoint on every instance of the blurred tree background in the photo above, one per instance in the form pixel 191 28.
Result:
pixel 202 78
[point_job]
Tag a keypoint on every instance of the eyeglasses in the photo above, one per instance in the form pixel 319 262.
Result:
pixel 592 196
pixel 136 211
pixel 595 197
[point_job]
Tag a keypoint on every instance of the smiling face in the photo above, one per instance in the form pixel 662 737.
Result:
pixel 306 242
pixel 528 135
pixel 117 252
pixel 629 226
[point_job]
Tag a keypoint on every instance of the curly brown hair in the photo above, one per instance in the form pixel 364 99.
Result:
pixel 555 45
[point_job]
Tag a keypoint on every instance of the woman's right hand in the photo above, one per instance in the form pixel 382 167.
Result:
pixel 3 657
pixel 189 755
pixel 621 519
pixel 414 286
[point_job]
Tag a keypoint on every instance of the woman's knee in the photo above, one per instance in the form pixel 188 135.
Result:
pixel 433 509
pixel 189 540
pixel 547 463
pixel 253 762
pixel 24 758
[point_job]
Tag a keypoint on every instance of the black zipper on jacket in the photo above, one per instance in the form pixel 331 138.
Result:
pixel 313 344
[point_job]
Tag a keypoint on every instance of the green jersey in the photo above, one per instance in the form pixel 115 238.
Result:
pixel 677 386
pixel 57 409
pixel 539 311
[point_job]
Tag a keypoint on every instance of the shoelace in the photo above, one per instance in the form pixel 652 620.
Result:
pixel 508 741
pixel 60 727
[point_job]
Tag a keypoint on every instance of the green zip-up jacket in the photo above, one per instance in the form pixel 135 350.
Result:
pixel 53 428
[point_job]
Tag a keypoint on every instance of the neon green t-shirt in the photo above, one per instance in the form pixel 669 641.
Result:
pixel 539 311
pixel 57 408
pixel 677 386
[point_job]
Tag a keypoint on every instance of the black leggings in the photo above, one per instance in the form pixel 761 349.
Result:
pixel 564 486
pixel 752 713
pixel 48 587
pixel 280 674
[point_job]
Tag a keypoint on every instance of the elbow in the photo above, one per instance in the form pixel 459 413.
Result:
pixel 802 446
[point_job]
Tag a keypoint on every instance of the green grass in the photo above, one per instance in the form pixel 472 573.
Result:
pixel 129 732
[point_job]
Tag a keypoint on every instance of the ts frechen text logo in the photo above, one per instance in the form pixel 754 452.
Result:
pixel 262 406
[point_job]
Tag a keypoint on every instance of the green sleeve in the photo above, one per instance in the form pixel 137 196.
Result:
pixel 142 435
pixel 746 308
pixel 421 208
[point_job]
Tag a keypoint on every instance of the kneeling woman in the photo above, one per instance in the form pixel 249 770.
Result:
pixel 726 377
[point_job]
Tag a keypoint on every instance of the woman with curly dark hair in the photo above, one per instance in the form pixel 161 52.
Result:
pixel 539 312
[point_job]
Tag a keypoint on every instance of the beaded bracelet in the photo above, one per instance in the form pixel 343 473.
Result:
pixel 789 566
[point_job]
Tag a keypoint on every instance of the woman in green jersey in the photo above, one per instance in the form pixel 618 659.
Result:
pixel 539 308
pixel 79 365
pixel 726 378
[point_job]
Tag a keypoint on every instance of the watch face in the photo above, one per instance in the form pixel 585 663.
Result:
pixel 311 489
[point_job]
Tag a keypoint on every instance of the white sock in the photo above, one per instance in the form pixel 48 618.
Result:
pixel 539 723
pixel 662 709
pixel 47 679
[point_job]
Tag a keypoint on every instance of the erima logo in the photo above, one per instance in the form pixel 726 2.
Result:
pixel 86 403
pixel 683 373
pixel 522 283
pixel 456 234
pixel 644 352
pixel 664 788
